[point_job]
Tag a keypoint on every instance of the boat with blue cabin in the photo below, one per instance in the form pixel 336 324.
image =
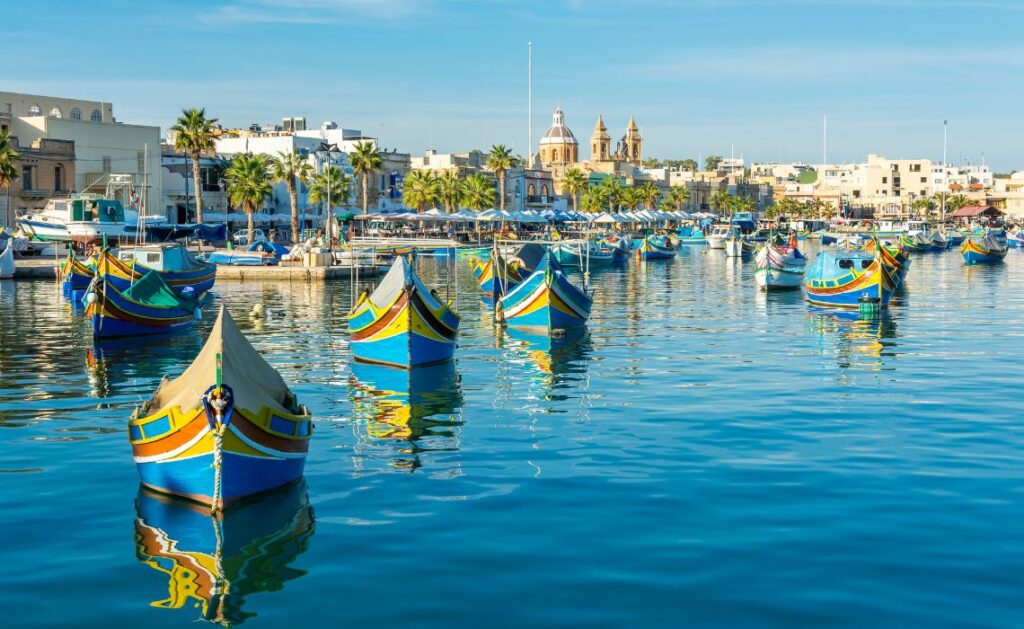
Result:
pixel 840 279
pixel 655 248
pixel 173 262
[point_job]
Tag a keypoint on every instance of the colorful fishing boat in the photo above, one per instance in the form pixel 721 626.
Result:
pixel 917 242
pixel 496 275
pixel 176 266
pixel 990 248
pixel 779 267
pixel 149 306
pixel 841 279
pixel 583 254
pixel 213 561
pixel 737 246
pixel 895 260
pixel 655 248
pixel 954 237
pixel 402 323
pixel 1015 240
pixel 225 429
pixel 76 274
pixel 546 299
pixel 621 246
pixel 938 241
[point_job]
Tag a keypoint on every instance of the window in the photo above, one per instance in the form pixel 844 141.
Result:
pixel 915 168
pixel 106 163
pixel 58 178
pixel 531 191
pixel 26 178
pixel 34 110
pixel 846 264
pixel 96 116
pixel 56 113
pixel 76 113
pixel 865 263
pixel 544 190
pixel 141 162
pixel 924 180
pixel 885 180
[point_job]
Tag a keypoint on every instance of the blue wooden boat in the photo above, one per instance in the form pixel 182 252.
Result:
pixel 990 248
pixel 148 306
pixel 546 299
pixel 916 243
pixel 655 248
pixel 213 561
pixel 76 274
pixel 174 263
pixel 583 255
pixel 402 323
pixel 621 246
pixel 840 279
pixel 225 429
pixel 1015 240
pixel 496 275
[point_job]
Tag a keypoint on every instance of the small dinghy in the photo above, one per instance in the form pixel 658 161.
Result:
pixel 779 267
pixel 226 429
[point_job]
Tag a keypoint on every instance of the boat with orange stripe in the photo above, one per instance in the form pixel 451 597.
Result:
pixel 402 323
pixel 841 279
pixel 227 428
pixel 546 299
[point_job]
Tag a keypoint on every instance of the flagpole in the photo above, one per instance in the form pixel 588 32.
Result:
pixel 529 103
pixel 945 171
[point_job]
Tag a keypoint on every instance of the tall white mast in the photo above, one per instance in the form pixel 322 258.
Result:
pixel 945 171
pixel 824 141
pixel 529 102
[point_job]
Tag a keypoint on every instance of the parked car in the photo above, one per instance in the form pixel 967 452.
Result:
pixel 242 237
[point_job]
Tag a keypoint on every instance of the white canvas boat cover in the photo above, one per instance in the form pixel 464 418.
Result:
pixel 7 258
pixel 254 382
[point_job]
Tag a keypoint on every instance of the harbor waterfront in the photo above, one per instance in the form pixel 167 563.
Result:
pixel 701 452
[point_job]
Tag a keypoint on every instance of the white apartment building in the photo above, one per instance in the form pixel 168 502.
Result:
pixel 103 146
pixel 962 176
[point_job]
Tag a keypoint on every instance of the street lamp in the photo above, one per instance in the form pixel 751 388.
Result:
pixel 326 150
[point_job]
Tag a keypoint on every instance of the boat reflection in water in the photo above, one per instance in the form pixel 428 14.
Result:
pixel 120 365
pixel 556 360
pixel 213 562
pixel 859 343
pixel 420 407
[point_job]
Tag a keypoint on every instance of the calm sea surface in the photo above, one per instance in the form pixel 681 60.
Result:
pixel 703 454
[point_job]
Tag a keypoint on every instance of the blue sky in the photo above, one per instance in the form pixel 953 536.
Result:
pixel 701 76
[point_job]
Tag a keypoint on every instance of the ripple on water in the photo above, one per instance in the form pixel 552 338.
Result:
pixel 702 452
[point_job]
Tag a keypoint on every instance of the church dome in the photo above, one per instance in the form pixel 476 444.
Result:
pixel 558 133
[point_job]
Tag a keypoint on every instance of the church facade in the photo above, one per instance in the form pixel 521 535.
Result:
pixel 559 151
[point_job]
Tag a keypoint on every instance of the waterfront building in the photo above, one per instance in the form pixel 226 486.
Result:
pixel 558 147
pixel 474 161
pixel 46 169
pixel 103 146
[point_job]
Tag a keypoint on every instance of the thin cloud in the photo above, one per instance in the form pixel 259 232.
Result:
pixel 313 11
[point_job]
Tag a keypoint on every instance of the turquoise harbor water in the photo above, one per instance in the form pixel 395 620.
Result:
pixel 702 454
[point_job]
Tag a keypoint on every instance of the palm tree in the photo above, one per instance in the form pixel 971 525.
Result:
pixel 290 167
pixel 594 199
pixel 195 136
pixel 450 190
pixel 956 202
pixel 499 160
pixel 677 196
pixel 720 201
pixel 941 200
pixel 923 206
pixel 248 184
pixel 632 198
pixel 419 189
pixel 333 183
pixel 365 159
pixel 8 171
pixel 478 192
pixel 612 191
pixel 575 182
pixel 788 206
pixel 649 194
